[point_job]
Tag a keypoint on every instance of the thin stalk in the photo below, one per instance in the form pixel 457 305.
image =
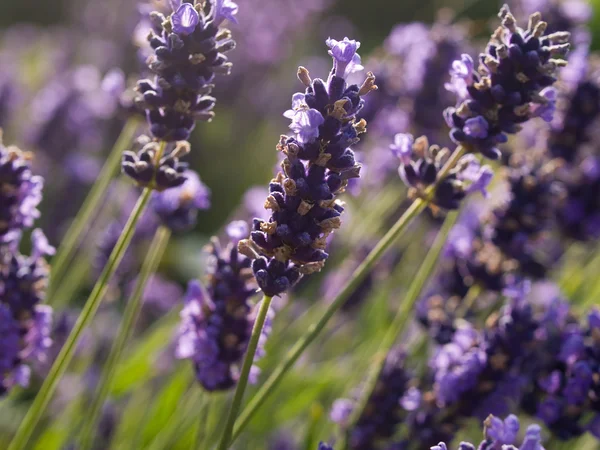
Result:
pixel 72 281
pixel 403 316
pixel 80 268
pixel 90 207
pixel 178 422
pixel 469 300
pixel 130 315
pixel 66 354
pixel 243 380
pixel 201 432
pixel 357 277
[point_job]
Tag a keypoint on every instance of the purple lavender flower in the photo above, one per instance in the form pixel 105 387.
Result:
pixel 225 10
pixel 572 140
pixel 164 173
pixel 421 163
pixel 216 322
pixel 345 59
pixel 185 19
pixel 317 166
pixel 458 365
pixel 178 207
pixel 572 16
pixel 305 121
pixel 189 49
pixel 502 435
pixel 511 88
pixel 20 193
pixel 564 393
pixel 26 322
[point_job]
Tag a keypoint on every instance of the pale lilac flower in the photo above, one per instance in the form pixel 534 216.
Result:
pixel 185 19
pixel 476 127
pixel 225 10
pixel 346 60
pixel 546 110
pixel 402 147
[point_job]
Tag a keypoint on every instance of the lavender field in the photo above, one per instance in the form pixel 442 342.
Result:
pixel 299 225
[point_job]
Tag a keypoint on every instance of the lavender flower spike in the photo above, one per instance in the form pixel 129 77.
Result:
pixel 420 168
pixel 25 323
pixel 178 207
pixel 216 322
pixel 189 49
pixel 319 161
pixel 20 193
pixel 510 87
pixel 502 435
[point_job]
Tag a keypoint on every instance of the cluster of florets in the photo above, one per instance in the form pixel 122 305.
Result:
pixel 573 16
pixel 512 84
pixel 565 391
pixel 573 142
pixel 502 434
pixel 385 409
pixel 20 193
pixel 25 323
pixel 189 49
pixel 421 170
pixel 318 163
pixel 217 321
pixel 178 208
pixel 518 227
pixel 155 167
pixel 492 250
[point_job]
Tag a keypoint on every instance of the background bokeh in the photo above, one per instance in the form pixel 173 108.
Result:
pixel 61 98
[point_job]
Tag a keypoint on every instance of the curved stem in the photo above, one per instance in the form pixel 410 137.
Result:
pixel 357 277
pixel 80 223
pixel 88 312
pixel 243 380
pixel 402 317
pixel 130 315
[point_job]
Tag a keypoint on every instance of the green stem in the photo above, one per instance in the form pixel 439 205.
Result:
pixel 177 422
pixel 79 270
pixel 72 281
pixel 402 317
pixel 201 434
pixel 130 315
pixel 243 380
pixel 66 354
pixel 90 207
pixel 357 277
